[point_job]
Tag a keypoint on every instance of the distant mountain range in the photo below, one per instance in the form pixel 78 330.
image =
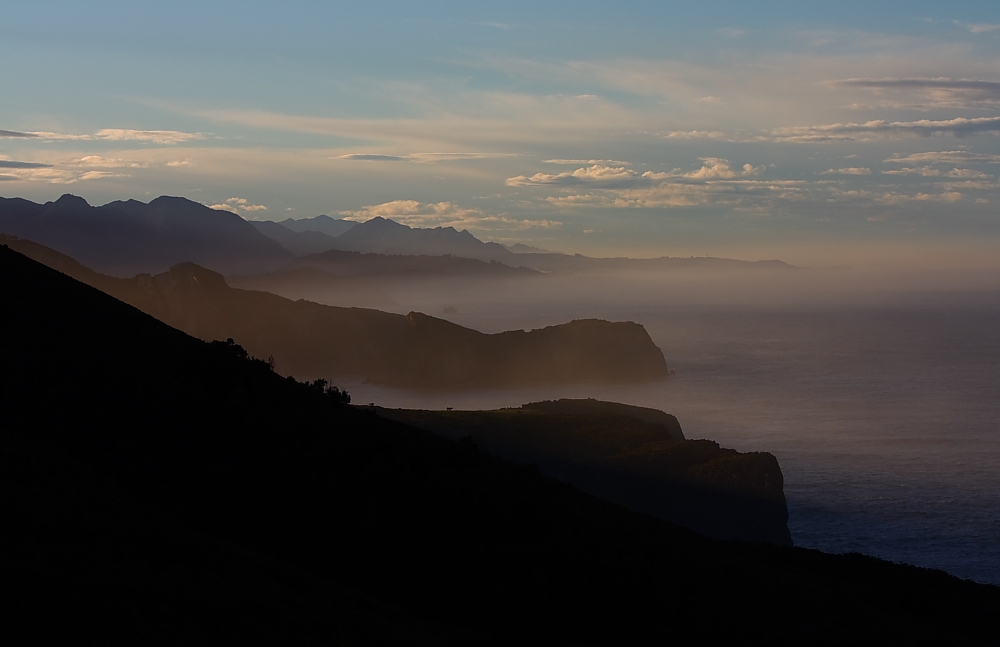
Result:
pixel 311 340
pixel 379 236
pixel 130 237
pixel 306 235
pixel 125 238
pixel 299 243
pixel 332 227
pixel 387 237
pixel 383 236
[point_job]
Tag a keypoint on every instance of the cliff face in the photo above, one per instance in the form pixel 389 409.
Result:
pixel 310 340
pixel 589 350
pixel 633 456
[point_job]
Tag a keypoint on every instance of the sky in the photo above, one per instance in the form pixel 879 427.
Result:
pixel 849 132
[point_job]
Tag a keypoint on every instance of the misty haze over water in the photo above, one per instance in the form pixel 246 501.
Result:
pixel 882 404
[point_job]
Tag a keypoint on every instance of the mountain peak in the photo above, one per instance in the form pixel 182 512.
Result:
pixel 175 202
pixel 384 236
pixel 323 224
pixel 379 221
pixel 70 201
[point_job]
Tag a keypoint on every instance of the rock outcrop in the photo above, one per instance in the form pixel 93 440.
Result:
pixel 634 456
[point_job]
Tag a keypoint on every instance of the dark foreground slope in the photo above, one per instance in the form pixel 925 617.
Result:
pixel 161 489
pixel 311 340
pixel 633 456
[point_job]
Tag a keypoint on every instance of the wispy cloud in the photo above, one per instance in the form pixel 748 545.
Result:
pixel 61 169
pixel 930 171
pixel 458 119
pixel 875 129
pixel 17 135
pixel 620 177
pixel 54 175
pixel 854 170
pixel 238 206
pixel 978 27
pixel 597 176
pixel 945 157
pixel 422 158
pixel 904 198
pixel 570 162
pixel 718 183
pixel 924 171
pixel 621 187
pixel 695 134
pixel 990 88
pixel 22 165
pixel 96 161
pixel 118 134
pixel 154 136
pixel 927 93
pixel 371 157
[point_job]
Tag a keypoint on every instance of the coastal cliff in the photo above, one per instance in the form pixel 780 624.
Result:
pixel 634 456
pixel 309 340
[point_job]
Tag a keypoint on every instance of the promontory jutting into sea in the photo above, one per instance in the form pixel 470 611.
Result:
pixel 436 324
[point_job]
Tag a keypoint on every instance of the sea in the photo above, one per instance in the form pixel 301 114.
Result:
pixel 884 417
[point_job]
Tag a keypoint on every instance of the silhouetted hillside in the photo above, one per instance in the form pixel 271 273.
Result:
pixel 323 224
pixel 161 489
pixel 633 456
pixel 299 243
pixel 670 429
pixel 126 238
pixel 383 236
pixel 418 351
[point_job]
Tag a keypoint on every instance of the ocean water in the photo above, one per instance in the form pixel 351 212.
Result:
pixel 885 419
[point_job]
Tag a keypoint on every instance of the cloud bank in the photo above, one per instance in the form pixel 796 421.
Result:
pixel 238 206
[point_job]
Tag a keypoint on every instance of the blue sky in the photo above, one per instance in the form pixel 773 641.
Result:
pixel 745 129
